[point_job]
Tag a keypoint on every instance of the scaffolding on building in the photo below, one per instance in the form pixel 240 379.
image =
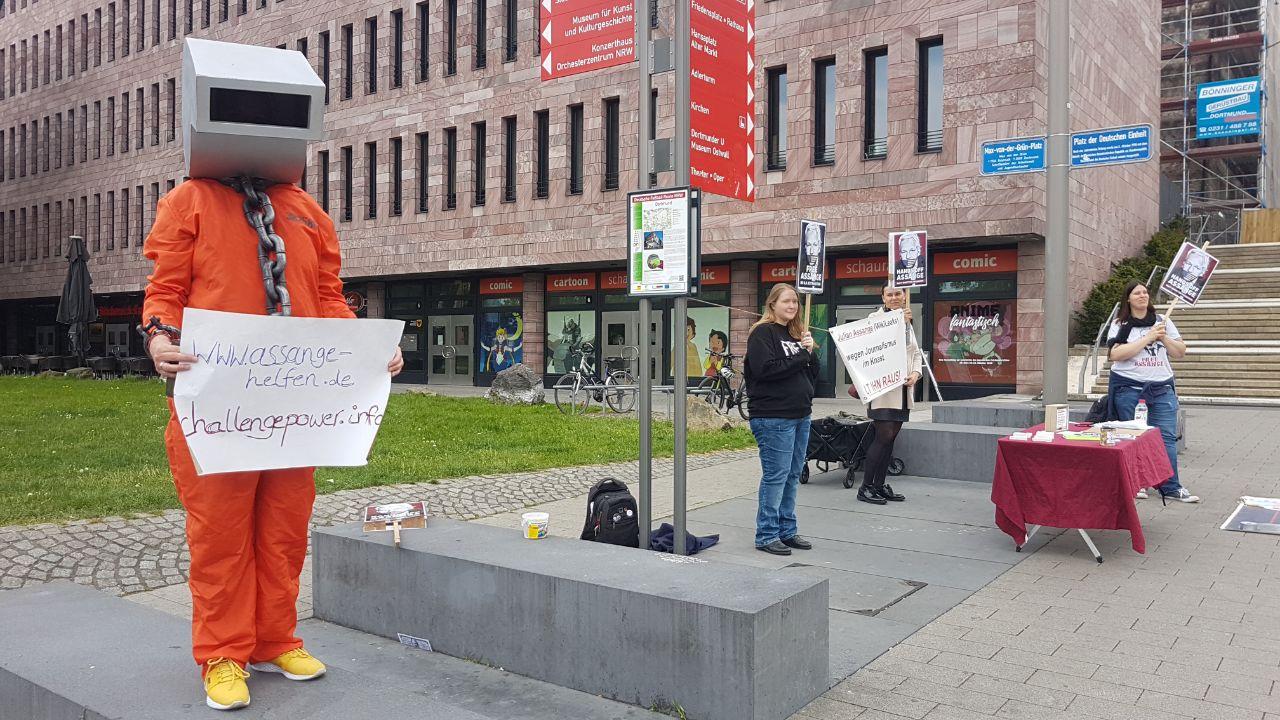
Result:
pixel 1206 41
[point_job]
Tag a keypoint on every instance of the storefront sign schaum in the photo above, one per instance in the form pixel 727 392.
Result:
pixel 282 392
pixel 874 351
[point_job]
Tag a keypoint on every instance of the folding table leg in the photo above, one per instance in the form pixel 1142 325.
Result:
pixel 1030 534
pixel 1092 548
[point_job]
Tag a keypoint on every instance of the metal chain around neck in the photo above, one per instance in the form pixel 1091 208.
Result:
pixel 261 217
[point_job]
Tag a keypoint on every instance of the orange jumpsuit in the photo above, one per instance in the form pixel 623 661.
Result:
pixel 247 532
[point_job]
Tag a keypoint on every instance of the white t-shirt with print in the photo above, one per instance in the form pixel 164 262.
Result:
pixel 1151 364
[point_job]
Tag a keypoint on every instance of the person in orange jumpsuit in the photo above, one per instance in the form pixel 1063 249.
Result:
pixel 247 531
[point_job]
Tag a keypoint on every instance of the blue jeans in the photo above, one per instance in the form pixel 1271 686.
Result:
pixel 783 443
pixel 1162 412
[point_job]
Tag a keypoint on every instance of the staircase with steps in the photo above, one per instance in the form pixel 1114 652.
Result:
pixel 1233 333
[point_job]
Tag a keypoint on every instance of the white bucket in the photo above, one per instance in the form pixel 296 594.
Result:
pixel 534 525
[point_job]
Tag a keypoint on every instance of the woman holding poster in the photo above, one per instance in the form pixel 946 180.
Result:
pixel 890 410
pixel 1141 343
pixel 781 370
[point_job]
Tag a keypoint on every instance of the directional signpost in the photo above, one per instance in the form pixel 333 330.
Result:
pixel 583 35
pixel 722 83
pixel 1114 146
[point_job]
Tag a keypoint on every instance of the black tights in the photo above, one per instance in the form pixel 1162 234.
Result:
pixel 876 465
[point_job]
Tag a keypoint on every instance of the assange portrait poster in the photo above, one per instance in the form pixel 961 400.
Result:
pixel 907 253
pixel 812 264
pixel 1189 273
pixel 874 352
pixel 271 392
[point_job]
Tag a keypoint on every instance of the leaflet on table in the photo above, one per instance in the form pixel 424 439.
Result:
pixel 1124 425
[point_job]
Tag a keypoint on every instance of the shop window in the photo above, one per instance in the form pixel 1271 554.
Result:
pixel 975 341
pixel 706 330
pixel 1005 286
pixel 501 336
pixel 571 323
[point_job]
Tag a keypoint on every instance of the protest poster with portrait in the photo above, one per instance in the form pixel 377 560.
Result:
pixel 907 253
pixel 282 392
pixel 1189 273
pixel 812 263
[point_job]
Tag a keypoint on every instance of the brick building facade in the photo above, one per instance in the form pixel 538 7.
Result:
pixel 449 166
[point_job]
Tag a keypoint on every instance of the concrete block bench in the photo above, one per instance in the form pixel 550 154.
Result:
pixel 1018 415
pixel 718 641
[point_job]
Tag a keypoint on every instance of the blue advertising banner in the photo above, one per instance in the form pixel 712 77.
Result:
pixel 1004 157
pixel 1112 146
pixel 1227 108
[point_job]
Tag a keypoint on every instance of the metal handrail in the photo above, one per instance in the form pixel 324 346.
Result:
pixel 1097 341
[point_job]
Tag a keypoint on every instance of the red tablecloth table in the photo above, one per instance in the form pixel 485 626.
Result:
pixel 1076 484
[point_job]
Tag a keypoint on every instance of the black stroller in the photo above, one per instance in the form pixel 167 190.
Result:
pixel 842 438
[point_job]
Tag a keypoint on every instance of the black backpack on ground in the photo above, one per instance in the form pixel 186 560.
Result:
pixel 612 515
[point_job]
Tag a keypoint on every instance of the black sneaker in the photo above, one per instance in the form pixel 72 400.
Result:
pixel 797 542
pixel 867 494
pixel 775 548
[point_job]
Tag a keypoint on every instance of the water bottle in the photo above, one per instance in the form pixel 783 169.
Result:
pixel 1140 412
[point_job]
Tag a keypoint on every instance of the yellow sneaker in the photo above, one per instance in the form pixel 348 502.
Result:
pixel 295 665
pixel 225 686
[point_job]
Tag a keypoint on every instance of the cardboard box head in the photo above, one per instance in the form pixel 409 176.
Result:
pixel 248 110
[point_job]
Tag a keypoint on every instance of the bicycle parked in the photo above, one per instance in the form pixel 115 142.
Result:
pixel 727 389
pixel 575 390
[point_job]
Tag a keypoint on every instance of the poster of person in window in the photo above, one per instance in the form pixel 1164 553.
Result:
pixel 567 330
pixel 1189 273
pixel 501 341
pixel 907 251
pixel 975 342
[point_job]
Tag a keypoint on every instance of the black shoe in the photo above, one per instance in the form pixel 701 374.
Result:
pixel 775 548
pixel 797 542
pixel 867 494
pixel 887 493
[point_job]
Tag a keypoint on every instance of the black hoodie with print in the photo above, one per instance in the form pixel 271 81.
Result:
pixel 780 374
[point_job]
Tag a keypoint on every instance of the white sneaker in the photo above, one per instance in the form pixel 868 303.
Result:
pixel 1142 494
pixel 1184 495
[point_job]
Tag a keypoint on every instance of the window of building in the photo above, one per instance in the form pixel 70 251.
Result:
pixel 126 27
pixel 324 63
pixel 575 149
pixel 423 159
pixel 450 168
pixel 301 46
pixel 57 141
pixel 224 10
pixel 876 100
pixel 451 38
pixel 111 126
pixel 653 130
pixel 111 220
pixel 71 46
pixel 510 30
pixel 482 44
pixel 397 177
pixel 371 179
pixel 171 89
pixel 173 20
pixel 44 144
pixel 124 122
pixel 824 112
pixel 397 48
pixel 776 119
pixel 478 169
pixel 57 53
pixel 346 184
pixel 126 210
pixel 189 27
pixel 84 132
pixel 139 126
pixel 155 113
pixel 155 25
pixel 70 135
pixel 97 222
pixel 242 7
pixel 97 37
pixel 140 205
pixel 542 169
pixel 371 39
pixel 929 111
pixel 424 34
pixel 111 32
pixel 612 143
pixel 509 159
pixel 323 155
pixel 348 61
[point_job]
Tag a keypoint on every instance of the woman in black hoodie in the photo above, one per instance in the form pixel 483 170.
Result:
pixel 781 369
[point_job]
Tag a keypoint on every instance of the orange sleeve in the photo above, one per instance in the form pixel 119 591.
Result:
pixel 170 247
pixel 329 260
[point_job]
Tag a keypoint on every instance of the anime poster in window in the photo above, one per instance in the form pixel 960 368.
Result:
pixel 567 332
pixel 975 342
pixel 501 340
pixel 706 334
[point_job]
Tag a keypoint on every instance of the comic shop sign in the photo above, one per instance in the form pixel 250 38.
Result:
pixel 975 342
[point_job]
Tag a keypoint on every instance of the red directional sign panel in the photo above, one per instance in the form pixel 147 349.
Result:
pixel 584 35
pixel 722 95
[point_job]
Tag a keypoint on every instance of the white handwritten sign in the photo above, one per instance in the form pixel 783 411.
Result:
pixel 282 392
pixel 875 352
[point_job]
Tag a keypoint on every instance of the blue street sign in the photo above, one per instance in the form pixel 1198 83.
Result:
pixel 1231 107
pixel 1112 146
pixel 1004 157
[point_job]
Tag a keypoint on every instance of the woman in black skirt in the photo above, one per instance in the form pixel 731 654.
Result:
pixel 890 410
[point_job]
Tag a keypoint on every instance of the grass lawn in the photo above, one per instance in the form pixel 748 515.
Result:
pixel 89 448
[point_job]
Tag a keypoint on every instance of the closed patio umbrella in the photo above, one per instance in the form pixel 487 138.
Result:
pixel 77 308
